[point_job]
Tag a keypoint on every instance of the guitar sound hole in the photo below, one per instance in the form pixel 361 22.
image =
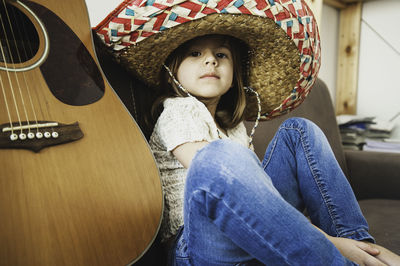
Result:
pixel 19 38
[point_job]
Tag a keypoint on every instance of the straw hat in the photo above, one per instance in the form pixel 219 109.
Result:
pixel 282 37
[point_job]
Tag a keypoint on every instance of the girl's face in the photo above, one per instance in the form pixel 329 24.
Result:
pixel 207 68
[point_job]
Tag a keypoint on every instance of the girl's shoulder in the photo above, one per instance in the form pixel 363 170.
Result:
pixel 183 119
pixel 185 108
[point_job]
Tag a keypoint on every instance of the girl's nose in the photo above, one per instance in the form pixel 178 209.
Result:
pixel 211 59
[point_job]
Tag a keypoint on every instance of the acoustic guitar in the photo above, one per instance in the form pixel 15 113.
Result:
pixel 78 182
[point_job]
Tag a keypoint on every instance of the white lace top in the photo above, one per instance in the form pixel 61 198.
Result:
pixel 184 119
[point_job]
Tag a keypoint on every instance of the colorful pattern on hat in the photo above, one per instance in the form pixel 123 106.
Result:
pixel 136 20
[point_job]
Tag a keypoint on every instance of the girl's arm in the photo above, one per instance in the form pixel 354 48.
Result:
pixel 185 152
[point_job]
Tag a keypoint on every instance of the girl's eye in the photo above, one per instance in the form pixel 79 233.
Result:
pixel 221 55
pixel 195 54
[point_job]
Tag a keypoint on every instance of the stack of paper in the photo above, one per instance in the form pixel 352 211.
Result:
pixel 387 145
pixel 356 130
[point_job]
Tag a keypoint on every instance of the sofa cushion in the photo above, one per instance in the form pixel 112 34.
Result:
pixel 374 174
pixel 383 216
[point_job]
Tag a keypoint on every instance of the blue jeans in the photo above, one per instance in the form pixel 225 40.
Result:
pixel 238 211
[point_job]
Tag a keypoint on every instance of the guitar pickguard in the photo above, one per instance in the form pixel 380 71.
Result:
pixel 69 70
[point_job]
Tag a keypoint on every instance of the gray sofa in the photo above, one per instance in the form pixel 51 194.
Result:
pixel 374 176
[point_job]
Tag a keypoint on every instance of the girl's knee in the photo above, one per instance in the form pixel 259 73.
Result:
pixel 298 122
pixel 222 151
pixel 301 124
pixel 220 162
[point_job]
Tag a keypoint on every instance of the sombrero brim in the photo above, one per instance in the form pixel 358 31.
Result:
pixel 279 70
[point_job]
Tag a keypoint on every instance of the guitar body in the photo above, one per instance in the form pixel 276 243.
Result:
pixel 92 195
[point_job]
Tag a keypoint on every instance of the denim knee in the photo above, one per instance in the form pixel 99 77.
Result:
pixel 222 155
pixel 300 123
pixel 219 163
pixel 305 132
pixel 225 169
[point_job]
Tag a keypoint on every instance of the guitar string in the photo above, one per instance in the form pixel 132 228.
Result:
pixel 39 84
pixel 13 64
pixel 38 92
pixel 9 80
pixel 3 89
pixel 21 35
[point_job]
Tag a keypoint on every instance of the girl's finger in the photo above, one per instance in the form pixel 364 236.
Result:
pixel 369 248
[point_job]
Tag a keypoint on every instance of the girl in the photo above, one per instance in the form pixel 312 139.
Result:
pixel 222 206
pixel 232 212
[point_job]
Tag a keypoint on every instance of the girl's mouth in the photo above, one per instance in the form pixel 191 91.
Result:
pixel 210 75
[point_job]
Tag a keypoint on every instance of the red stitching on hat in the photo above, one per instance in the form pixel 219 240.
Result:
pixel 181 20
pixel 283 15
pixel 159 6
pixel 306 51
pixel 289 31
pixel 269 14
pixel 292 9
pixel 138 3
pixel 160 19
pixel 261 4
pixel 300 45
pixel 222 4
pixel 301 12
pixel 134 36
pixel 244 10
pixel 208 10
pixel 192 6
pixel 299 35
pixel 124 21
pixel 139 21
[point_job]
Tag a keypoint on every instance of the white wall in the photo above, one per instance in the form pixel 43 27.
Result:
pixel 98 10
pixel 329 30
pixel 379 65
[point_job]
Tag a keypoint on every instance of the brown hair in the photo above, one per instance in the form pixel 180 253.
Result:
pixel 230 109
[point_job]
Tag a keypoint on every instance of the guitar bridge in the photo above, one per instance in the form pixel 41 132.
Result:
pixel 35 136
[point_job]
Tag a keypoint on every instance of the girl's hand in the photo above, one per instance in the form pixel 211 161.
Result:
pixel 386 255
pixel 359 252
